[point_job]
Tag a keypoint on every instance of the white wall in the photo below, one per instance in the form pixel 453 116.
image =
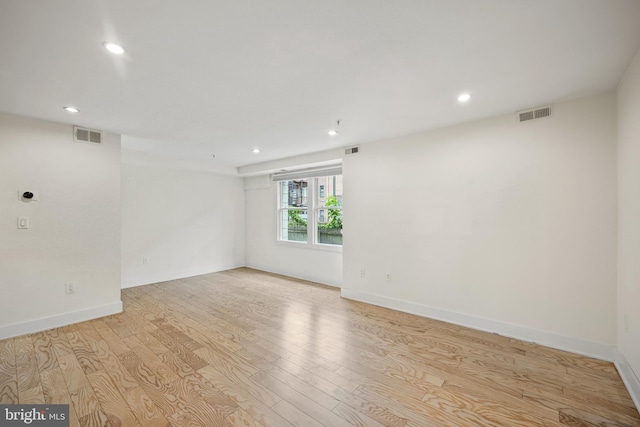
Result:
pixel 184 222
pixel 74 233
pixel 265 253
pixel 503 226
pixel 629 221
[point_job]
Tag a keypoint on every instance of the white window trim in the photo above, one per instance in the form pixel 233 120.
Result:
pixel 312 210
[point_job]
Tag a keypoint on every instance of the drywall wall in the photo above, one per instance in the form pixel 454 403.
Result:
pixel 74 226
pixel 629 223
pixel 265 253
pixel 178 222
pixel 503 226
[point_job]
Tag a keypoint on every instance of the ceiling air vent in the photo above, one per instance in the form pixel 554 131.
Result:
pixel 534 114
pixel 87 135
pixel 352 150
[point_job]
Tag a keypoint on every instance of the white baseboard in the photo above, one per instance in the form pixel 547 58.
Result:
pixel 147 279
pixel 59 320
pixel 629 378
pixel 307 277
pixel 549 339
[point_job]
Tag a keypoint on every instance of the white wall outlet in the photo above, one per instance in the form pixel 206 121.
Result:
pixel 70 288
pixel 362 273
pixel 23 222
pixel 387 277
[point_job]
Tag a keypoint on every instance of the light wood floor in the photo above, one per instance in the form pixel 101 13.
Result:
pixel 247 348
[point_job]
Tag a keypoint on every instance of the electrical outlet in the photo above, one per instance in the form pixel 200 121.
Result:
pixel 362 273
pixel 388 277
pixel 70 288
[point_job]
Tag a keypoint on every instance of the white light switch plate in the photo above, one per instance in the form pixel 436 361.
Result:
pixel 23 222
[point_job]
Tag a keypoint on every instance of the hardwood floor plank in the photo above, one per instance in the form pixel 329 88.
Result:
pixel 160 371
pixel 111 401
pixel 8 391
pixel 245 399
pixel 196 382
pixel 151 384
pixel 44 352
pixel 55 392
pixel 308 406
pixel 299 385
pixel 244 347
pixel 26 364
pixel 80 390
pixel 106 333
pixel 141 405
pixel 354 417
pixel 33 395
pixel 294 415
pixel 94 419
pixel 573 417
pixel 8 372
pixel 83 352
pixel 557 403
pixel 240 417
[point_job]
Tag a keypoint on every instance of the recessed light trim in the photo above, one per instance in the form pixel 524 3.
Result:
pixel 114 48
pixel 334 131
pixel 71 109
pixel 464 97
pixel 255 150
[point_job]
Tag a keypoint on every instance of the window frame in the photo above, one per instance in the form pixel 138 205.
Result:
pixel 313 212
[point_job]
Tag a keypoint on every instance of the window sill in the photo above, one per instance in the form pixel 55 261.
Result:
pixel 307 246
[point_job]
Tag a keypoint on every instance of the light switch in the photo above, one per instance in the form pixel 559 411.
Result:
pixel 23 222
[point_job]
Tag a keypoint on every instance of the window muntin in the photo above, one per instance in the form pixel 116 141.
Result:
pixel 310 210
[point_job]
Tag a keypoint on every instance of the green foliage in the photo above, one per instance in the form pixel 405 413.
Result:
pixel 334 214
pixel 295 218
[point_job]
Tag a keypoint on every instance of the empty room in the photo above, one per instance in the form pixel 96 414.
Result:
pixel 320 213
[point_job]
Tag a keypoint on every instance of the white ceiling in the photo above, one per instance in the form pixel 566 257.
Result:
pixel 203 76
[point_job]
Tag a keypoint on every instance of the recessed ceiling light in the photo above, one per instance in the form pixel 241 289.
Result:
pixel 114 48
pixel 334 131
pixel 71 109
pixel 255 150
pixel 464 97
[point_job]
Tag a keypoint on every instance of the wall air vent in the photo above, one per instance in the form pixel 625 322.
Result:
pixel 87 135
pixel 352 150
pixel 534 114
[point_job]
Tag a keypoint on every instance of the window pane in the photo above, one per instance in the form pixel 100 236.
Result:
pixel 329 218
pixel 294 225
pixel 293 193
pixel 329 191
pixel 330 226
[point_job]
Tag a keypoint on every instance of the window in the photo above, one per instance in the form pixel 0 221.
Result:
pixel 310 210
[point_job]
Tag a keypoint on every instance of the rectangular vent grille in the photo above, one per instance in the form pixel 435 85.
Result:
pixel 87 135
pixel 533 114
pixel 352 150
